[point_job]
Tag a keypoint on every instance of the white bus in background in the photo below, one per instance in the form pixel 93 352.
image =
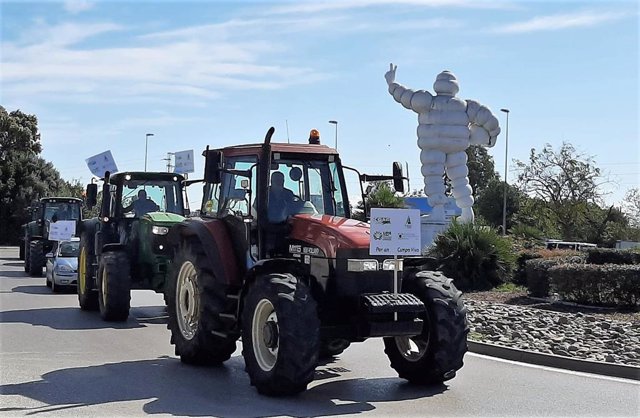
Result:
pixel 626 245
pixel 553 244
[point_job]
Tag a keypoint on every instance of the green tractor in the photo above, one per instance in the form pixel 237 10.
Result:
pixel 36 243
pixel 126 247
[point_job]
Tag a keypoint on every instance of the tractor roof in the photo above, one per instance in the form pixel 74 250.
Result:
pixel 121 177
pixel 252 149
pixel 60 200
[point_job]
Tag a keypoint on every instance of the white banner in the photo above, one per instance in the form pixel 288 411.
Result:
pixel 395 232
pixel 102 162
pixel 62 230
pixel 184 162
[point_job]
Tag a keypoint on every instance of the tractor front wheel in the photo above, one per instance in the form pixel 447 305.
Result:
pixel 436 354
pixel 87 296
pixel 280 335
pixel 114 286
pixel 195 300
pixel 36 258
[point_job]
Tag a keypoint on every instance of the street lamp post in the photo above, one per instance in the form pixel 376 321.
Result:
pixel 506 153
pixel 335 122
pixel 146 146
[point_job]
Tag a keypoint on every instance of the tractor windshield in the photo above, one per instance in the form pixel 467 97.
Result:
pixel 61 211
pixel 315 187
pixel 140 197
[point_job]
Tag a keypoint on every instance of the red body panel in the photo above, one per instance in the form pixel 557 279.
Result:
pixel 218 231
pixel 330 232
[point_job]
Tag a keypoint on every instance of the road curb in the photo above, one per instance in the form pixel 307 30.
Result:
pixel 552 360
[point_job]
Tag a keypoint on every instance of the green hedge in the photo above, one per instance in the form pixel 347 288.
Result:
pixel 612 256
pixel 538 273
pixel 597 284
pixel 520 275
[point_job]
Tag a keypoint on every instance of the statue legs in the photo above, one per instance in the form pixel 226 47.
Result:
pixel 457 171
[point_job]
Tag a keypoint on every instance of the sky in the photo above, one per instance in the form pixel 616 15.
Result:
pixel 100 75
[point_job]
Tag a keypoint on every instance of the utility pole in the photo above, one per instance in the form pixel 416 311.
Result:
pixel 506 159
pixel 168 160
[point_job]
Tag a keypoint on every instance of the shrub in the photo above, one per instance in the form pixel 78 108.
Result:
pixel 520 275
pixel 538 277
pixel 612 256
pixel 598 284
pixel 476 257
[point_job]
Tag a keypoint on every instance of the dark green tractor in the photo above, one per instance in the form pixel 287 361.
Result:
pixel 126 247
pixel 36 243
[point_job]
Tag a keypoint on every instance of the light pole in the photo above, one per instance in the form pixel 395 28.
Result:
pixel 506 153
pixel 146 146
pixel 335 122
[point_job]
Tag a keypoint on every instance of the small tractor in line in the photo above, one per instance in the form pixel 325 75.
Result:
pixel 36 243
pixel 290 273
pixel 126 246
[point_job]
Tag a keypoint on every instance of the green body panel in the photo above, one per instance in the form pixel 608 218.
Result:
pixel 153 256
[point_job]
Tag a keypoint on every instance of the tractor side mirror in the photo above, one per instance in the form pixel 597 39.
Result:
pixel 213 160
pixel 398 177
pixel 92 195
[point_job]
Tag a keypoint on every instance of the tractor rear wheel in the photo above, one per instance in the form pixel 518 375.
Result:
pixel 87 297
pixel 36 258
pixel 26 256
pixel 280 335
pixel 333 347
pixel 21 251
pixel 114 286
pixel 195 300
pixel 435 355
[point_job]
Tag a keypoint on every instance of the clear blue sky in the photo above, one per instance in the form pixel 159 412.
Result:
pixel 101 74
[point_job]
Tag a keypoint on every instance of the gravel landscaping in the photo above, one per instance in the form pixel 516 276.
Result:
pixel 514 320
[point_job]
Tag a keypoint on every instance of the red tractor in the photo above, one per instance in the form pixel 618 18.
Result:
pixel 275 259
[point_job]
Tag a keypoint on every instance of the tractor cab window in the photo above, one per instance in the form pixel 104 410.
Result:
pixel 61 211
pixel 142 197
pixel 237 195
pixel 304 187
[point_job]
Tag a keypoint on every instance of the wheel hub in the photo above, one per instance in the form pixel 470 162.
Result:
pixel 270 334
pixel 187 300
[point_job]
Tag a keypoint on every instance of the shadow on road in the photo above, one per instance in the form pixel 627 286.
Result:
pixel 178 389
pixel 20 274
pixel 33 290
pixel 18 264
pixel 67 319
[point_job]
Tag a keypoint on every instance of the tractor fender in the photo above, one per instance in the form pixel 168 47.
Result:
pixel 216 243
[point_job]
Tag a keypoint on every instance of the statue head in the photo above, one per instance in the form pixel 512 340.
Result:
pixel 446 84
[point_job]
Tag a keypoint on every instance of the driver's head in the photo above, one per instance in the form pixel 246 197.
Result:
pixel 277 180
pixel 142 194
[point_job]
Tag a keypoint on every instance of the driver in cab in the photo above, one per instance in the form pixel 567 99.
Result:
pixel 282 201
pixel 142 205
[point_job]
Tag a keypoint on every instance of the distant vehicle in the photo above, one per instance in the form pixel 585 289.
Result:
pixel 62 265
pixel 569 245
pixel 627 245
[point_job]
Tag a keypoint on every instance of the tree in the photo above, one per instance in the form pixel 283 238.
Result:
pixel 489 203
pixel 631 206
pixel 24 176
pixel 567 182
pixel 381 195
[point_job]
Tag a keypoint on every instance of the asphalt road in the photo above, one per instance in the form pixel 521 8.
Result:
pixel 57 360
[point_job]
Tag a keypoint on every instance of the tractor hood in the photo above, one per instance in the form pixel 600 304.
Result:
pixel 329 233
pixel 163 217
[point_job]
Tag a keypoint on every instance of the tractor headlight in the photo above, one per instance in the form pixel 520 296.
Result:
pixel 388 264
pixel 362 265
pixel 160 230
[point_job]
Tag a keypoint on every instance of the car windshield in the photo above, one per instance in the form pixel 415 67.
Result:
pixel 69 249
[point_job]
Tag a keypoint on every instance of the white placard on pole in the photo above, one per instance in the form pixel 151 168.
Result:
pixel 184 162
pixel 62 230
pixel 395 232
pixel 102 162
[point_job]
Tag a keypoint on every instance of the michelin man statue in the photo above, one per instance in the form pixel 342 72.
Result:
pixel 447 125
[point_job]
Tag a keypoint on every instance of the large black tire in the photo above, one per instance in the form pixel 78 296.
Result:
pixel 195 300
pixel 87 296
pixel 435 355
pixel 36 258
pixel 333 347
pixel 26 256
pixel 21 251
pixel 114 286
pixel 280 335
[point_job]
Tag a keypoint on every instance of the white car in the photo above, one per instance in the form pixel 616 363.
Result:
pixel 62 265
